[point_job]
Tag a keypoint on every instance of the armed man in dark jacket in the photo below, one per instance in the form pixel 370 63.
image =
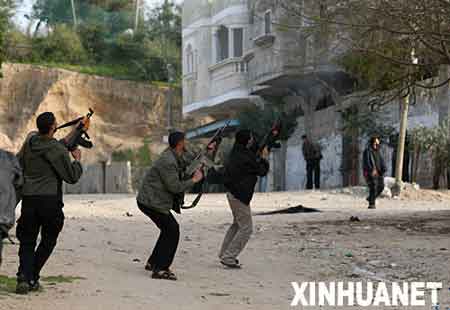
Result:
pixel 46 164
pixel 10 181
pixel 241 174
pixel 157 196
pixel 374 169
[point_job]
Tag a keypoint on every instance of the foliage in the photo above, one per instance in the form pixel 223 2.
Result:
pixel 261 120
pixel 435 140
pixel 7 284
pixel 104 40
pixel 6 7
pixel 365 123
pixel 385 44
pixel 17 46
pixel 61 45
pixel 141 157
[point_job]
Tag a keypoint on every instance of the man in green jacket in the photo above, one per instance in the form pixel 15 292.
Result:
pixel 156 197
pixel 46 164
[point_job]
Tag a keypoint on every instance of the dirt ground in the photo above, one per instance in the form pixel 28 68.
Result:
pixel 106 241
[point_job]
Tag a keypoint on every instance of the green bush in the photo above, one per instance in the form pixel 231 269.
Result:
pixel 17 46
pixel 93 38
pixel 62 45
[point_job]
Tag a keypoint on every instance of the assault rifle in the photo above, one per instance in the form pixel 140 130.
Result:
pixel 204 161
pixel 270 140
pixel 79 135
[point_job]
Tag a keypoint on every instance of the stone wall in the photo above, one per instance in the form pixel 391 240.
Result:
pixel 102 178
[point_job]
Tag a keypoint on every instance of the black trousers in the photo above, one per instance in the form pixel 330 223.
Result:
pixel 313 174
pixel 376 187
pixel 39 214
pixel 164 251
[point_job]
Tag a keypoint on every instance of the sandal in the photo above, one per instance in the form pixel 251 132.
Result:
pixel 164 275
pixel 234 265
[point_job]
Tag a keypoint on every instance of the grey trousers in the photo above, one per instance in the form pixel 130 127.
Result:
pixel 239 232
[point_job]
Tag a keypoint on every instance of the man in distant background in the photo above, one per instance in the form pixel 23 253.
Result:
pixel 312 155
pixel 374 169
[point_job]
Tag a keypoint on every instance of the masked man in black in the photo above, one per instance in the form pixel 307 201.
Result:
pixel 242 169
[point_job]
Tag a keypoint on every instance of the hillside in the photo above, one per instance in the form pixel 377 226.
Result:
pixel 125 112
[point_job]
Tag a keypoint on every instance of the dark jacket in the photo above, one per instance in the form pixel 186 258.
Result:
pixel 311 151
pixel 241 172
pixel 46 164
pixel 162 183
pixel 372 159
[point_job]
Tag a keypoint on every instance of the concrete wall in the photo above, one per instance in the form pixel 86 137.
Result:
pixel 103 178
pixel 326 129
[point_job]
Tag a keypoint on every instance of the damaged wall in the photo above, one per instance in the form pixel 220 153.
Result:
pixel 431 107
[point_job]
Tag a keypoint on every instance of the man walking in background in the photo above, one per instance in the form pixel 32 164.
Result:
pixel 374 169
pixel 242 169
pixel 11 181
pixel 46 164
pixel 312 155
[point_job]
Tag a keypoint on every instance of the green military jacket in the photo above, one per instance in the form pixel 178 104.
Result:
pixel 162 181
pixel 46 163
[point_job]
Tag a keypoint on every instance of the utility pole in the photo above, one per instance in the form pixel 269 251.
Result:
pixel 170 74
pixel 136 20
pixel 74 15
pixel 169 66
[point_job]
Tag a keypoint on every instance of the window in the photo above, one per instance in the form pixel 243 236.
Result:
pixel 222 43
pixel 268 22
pixel 238 42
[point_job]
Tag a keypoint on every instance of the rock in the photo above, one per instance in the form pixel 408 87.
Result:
pixel 387 193
pixel 136 260
pixel 128 214
pixel 82 229
pixel 354 219
pixel 348 254
pixel 376 263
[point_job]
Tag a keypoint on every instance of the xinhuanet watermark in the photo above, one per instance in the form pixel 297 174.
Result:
pixel 365 294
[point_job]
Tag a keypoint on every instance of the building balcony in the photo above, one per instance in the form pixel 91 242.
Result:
pixel 228 86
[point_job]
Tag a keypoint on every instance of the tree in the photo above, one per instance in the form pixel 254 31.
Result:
pixel 261 119
pixel 391 46
pixel 6 10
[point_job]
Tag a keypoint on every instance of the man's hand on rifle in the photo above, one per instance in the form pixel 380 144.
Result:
pixel 265 153
pixel 76 154
pixel 211 148
pixel 198 176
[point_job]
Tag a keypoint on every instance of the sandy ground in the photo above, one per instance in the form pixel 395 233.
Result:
pixel 403 240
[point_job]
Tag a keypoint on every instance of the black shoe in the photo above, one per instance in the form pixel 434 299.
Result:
pixel 35 286
pixel 372 207
pixel 23 288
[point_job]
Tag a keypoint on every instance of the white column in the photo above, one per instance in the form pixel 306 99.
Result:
pixel 214 45
pixel 230 43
